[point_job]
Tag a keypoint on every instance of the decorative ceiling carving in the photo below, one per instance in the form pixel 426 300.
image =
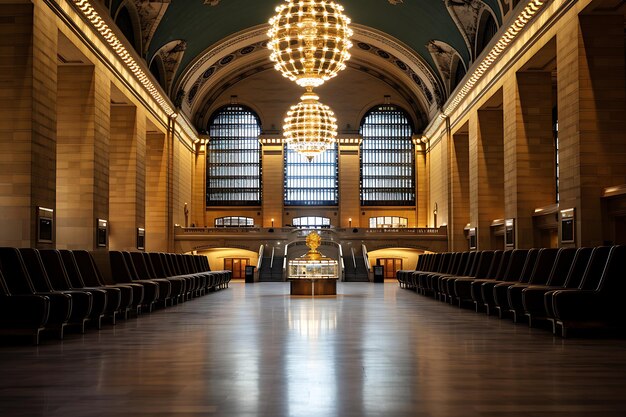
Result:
pixel 171 55
pixel 150 14
pixel 466 14
pixel 444 56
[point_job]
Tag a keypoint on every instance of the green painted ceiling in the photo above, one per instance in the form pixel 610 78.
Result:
pixel 414 22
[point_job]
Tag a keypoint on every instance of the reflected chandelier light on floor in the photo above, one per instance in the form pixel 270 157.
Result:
pixel 310 127
pixel 309 41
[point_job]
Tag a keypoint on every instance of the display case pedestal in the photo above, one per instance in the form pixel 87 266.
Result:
pixel 313 286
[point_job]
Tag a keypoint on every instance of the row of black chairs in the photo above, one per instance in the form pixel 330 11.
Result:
pixel 567 287
pixel 52 289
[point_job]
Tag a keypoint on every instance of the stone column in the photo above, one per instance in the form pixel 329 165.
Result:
pixel 459 191
pixel 28 79
pixel 592 118
pixel 156 193
pixel 529 171
pixel 349 185
pixel 273 184
pixel 127 176
pixel 486 173
pixel 421 185
pixel 198 199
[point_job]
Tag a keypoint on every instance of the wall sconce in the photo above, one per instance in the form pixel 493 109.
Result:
pixel 435 214
pixel 350 221
pixel 272 222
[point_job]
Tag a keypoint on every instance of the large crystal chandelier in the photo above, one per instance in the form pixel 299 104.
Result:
pixel 310 127
pixel 309 40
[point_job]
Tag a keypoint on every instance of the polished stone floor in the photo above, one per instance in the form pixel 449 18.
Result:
pixel 374 350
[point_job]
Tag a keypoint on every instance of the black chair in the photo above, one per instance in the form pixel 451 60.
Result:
pixel 481 266
pixel 120 274
pixel 601 306
pixel 18 282
pixel 22 314
pixel 547 261
pixel 106 301
pixel 82 301
pixel 533 297
pixel 165 286
pixel 521 262
pixel 462 286
pixel 131 296
pixel 143 267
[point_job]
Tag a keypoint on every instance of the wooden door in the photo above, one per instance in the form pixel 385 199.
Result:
pixel 237 266
pixel 391 266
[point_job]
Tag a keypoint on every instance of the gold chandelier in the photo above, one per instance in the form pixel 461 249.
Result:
pixel 309 41
pixel 310 127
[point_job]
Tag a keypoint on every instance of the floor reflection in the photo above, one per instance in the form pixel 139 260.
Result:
pixel 311 377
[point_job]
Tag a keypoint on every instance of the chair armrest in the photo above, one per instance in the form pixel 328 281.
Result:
pixel 24 310
pixel 578 305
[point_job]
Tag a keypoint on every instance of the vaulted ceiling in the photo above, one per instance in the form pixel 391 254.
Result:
pixel 418 43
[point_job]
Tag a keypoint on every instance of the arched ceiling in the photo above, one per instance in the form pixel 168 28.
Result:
pixel 204 47
pixel 203 23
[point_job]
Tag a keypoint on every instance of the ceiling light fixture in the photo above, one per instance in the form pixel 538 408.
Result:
pixel 309 41
pixel 310 127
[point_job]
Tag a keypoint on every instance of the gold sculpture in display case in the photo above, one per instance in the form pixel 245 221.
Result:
pixel 313 273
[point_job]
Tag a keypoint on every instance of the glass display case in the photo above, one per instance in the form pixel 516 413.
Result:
pixel 313 269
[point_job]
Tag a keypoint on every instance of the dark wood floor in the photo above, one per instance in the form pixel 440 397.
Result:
pixel 375 350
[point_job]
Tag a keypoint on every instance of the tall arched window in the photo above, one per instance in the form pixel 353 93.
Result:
pixel 311 183
pixel 387 158
pixel 234 158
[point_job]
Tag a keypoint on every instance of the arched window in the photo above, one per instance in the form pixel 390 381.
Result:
pixel 311 183
pixel 487 28
pixel 387 158
pixel 311 222
pixel 234 158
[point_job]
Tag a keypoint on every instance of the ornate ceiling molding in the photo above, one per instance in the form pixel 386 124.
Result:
pixel 466 15
pixel 171 54
pixel 411 58
pixel 150 14
pixel 444 56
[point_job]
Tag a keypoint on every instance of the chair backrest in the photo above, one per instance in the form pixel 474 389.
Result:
pixel 516 264
pixel 577 270
pixel 473 266
pixel 53 263
pixel 88 269
pixel 4 290
pixel 464 264
pixel 131 265
pixel 543 266
pixel 71 267
pixel 36 270
pixel 483 264
pixel 15 274
pixel 454 262
pixel 562 265
pixel 156 261
pixel 499 264
pixel 191 264
pixel 139 261
pixel 595 267
pixel 119 268
pixel 613 281
pixel 149 266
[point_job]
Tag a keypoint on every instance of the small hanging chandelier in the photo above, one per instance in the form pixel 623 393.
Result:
pixel 310 127
pixel 309 40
